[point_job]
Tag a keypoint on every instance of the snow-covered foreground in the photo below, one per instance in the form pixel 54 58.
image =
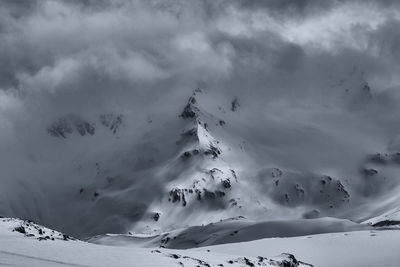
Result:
pixel 359 248
pixel 25 244
pixel 375 248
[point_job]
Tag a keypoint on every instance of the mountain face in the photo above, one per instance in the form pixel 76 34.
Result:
pixel 212 160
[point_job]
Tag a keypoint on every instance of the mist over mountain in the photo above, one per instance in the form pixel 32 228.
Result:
pixel 186 124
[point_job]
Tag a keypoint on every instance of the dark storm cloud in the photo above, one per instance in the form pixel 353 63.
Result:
pixel 289 7
pixel 303 7
pixel 387 40
pixel 84 55
pixel 18 8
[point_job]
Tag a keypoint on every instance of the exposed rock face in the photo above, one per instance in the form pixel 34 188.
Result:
pixel 190 110
pixel 213 151
pixel 296 189
pixel 389 219
pixel 178 195
pixel 235 104
pixel 69 124
pixel 202 195
pixel 111 121
pixel 386 223
pixel 156 216
pixel 283 260
pixel 214 185
pixel 31 230
pixel 84 128
pixel 60 128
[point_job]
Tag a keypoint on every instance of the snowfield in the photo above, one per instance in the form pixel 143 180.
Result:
pixel 21 249
pixel 231 230
pixel 347 249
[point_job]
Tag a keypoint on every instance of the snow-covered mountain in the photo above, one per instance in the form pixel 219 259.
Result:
pixel 212 160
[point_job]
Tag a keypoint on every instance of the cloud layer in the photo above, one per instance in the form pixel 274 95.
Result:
pixel 60 57
pixel 81 50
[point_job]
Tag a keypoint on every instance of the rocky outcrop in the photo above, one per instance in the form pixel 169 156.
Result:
pixel 70 124
pixel 386 223
pixel 309 189
pixel 32 230
pixel 111 121
pixel 190 110
pixel 85 128
pixel 60 128
pixel 235 104
pixel 283 260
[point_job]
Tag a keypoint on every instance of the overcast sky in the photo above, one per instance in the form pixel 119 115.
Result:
pixel 81 56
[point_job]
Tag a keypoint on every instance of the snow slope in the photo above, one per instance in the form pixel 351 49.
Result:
pixel 347 249
pixel 352 249
pixel 389 218
pixel 17 249
pixel 230 231
pixel 210 159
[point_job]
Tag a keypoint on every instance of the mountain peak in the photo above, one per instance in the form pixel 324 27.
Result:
pixel 191 109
